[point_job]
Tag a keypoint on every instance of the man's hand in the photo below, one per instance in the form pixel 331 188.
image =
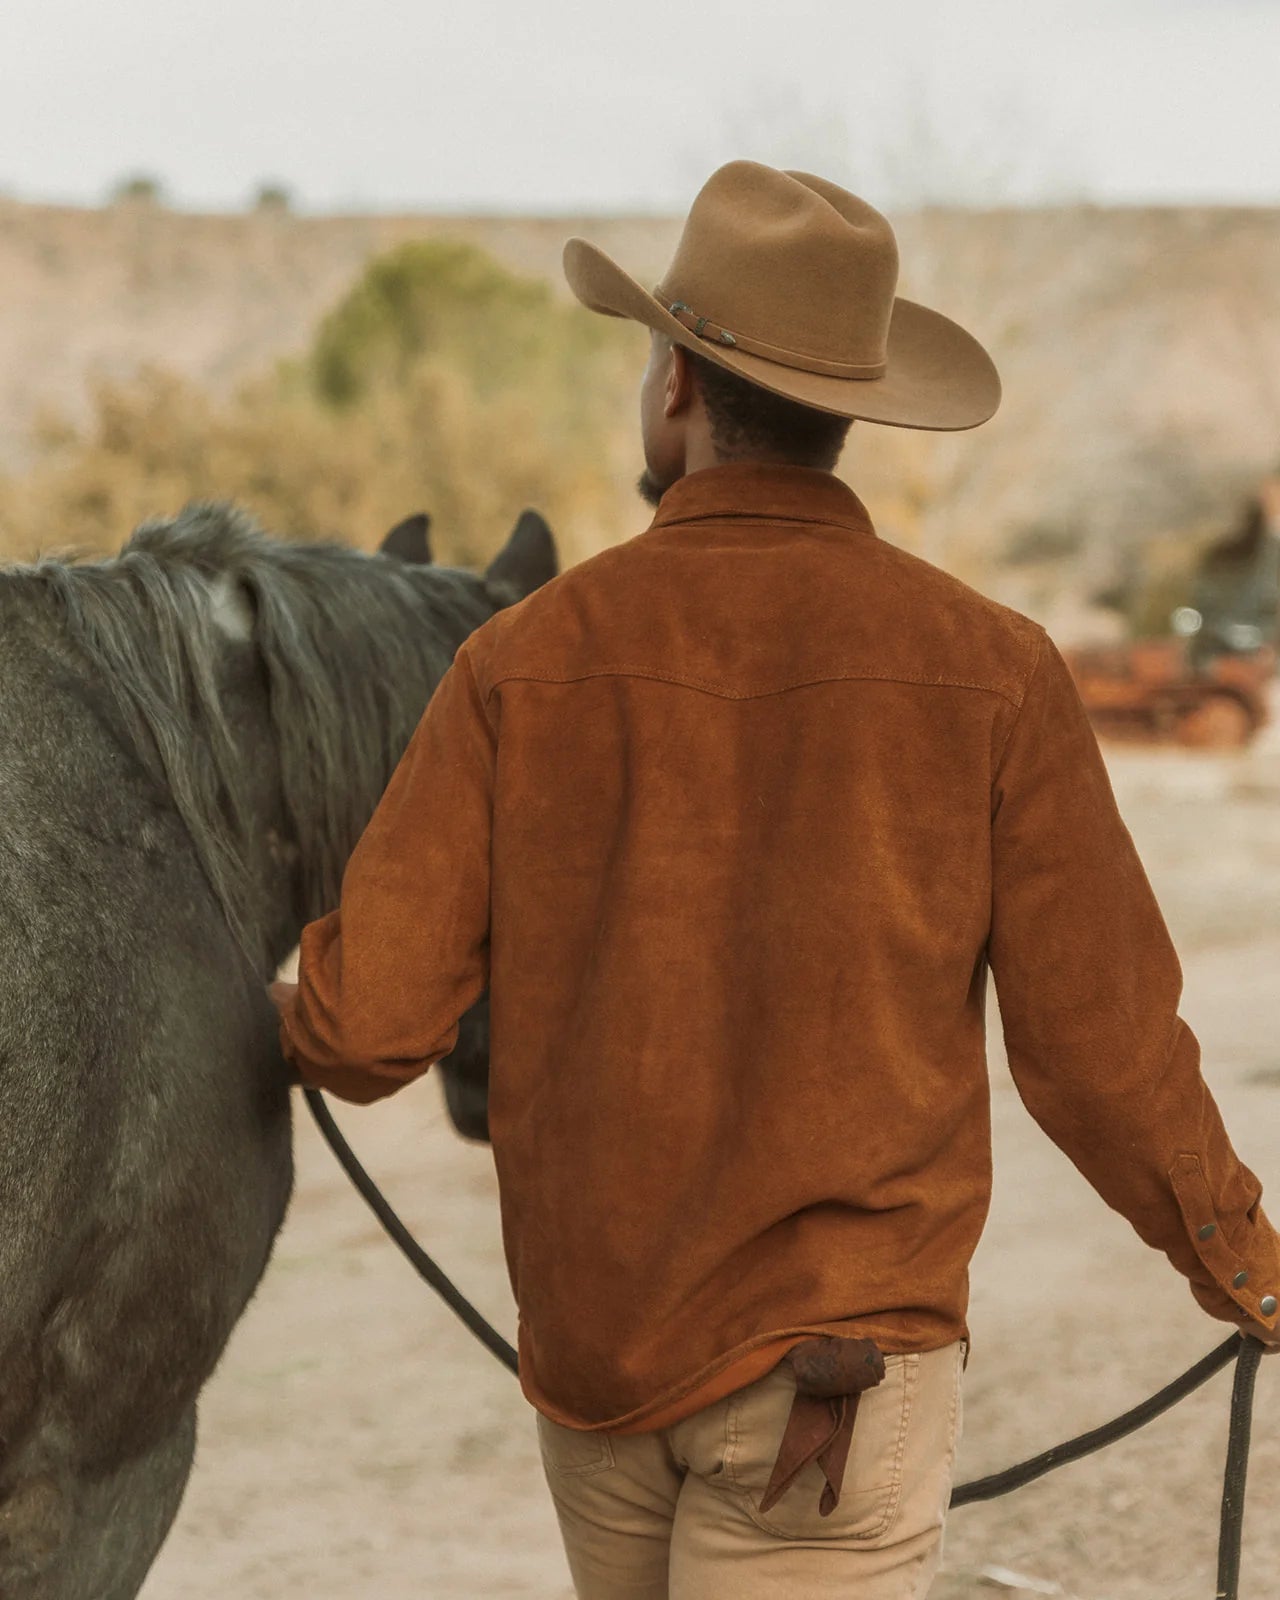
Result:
pixel 1269 1337
pixel 282 994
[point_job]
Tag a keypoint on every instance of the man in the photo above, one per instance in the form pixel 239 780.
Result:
pixel 733 817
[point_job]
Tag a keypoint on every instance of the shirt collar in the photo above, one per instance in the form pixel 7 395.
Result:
pixel 759 489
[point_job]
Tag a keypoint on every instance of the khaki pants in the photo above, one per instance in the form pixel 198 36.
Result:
pixel 674 1515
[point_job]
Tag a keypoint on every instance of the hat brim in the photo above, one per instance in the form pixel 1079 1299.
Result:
pixel 937 375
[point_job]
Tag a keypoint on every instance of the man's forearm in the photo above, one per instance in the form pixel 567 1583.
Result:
pixel 1089 986
pixel 384 980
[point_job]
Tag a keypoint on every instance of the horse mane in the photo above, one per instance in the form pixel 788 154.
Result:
pixel 351 646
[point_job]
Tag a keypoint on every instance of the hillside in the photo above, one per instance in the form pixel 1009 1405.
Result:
pixel 214 298
pixel 1140 351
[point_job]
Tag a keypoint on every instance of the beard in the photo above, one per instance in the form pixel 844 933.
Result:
pixel 650 488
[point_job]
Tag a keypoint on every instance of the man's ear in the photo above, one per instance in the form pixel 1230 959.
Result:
pixel 679 389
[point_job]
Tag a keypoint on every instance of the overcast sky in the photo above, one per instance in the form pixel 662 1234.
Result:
pixel 555 105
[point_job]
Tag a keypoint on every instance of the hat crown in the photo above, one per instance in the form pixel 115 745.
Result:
pixel 789 281
pixel 788 261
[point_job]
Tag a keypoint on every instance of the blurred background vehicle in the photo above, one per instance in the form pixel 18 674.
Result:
pixel 1205 684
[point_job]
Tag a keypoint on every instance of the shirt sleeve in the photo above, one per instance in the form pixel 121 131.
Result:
pixel 1089 985
pixel 384 979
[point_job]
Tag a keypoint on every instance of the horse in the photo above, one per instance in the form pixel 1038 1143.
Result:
pixel 194 734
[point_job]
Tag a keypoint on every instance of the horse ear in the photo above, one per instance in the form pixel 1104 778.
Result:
pixel 525 562
pixel 410 541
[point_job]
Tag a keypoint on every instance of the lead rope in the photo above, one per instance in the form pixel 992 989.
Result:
pixel 421 1262
pixel 1231 1528
pixel 1245 1352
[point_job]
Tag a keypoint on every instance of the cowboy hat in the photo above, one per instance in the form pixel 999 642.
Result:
pixel 789 280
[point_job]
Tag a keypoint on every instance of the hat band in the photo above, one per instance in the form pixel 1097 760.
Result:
pixel 713 333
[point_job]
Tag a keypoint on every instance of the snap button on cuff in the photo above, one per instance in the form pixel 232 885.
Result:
pixel 1240 1279
pixel 1208 1231
pixel 1267 1305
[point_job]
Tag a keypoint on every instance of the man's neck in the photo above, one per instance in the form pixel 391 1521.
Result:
pixel 698 459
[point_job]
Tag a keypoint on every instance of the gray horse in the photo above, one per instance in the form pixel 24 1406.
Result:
pixel 194 734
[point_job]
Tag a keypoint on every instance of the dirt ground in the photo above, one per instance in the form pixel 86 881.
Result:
pixel 357 1443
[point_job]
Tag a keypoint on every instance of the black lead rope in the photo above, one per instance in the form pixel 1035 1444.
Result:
pixel 1245 1352
pixel 1231 1527
pixel 1028 1471
pixel 421 1262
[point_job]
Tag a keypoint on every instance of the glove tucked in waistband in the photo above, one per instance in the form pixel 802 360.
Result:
pixel 830 1375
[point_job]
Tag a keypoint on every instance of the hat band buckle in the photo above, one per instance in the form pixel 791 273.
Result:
pixel 713 333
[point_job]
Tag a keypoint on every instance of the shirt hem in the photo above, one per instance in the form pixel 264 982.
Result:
pixel 744 1363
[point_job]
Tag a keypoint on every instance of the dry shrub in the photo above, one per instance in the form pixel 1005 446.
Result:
pixel 441 382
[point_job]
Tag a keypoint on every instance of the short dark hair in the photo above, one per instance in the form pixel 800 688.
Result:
pixel 747 420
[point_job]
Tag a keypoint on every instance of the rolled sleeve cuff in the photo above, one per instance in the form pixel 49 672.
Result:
pixel 1239 1257
pixel 359 1084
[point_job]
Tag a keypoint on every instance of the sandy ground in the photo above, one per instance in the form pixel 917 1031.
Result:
pixel 357 1443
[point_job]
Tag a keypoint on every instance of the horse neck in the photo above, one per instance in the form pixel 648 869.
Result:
pixel 338 721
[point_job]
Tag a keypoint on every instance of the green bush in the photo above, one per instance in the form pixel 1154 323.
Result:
pixel 440 382
pixel 139 188
pixel 273 197
pixel 445 301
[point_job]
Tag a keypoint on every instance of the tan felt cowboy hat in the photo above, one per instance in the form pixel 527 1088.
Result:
pixel 789 280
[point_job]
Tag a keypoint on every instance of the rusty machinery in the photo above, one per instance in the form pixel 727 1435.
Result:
pixel 1206 683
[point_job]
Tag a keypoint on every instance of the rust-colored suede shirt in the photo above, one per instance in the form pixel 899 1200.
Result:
pixel 734 817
